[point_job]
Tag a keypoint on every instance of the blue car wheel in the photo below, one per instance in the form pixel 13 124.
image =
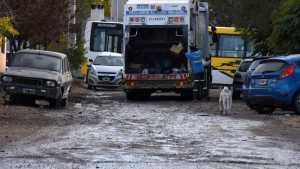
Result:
pixel 264 110
pixel 297 103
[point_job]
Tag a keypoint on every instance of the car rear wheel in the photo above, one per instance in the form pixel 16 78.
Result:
pixel 297 103
pixel 264 110
pixel 250 105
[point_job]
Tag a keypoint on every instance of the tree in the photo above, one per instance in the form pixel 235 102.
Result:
pixel 285 37
pixel 253 18
pixel 39 22
pixel 6 27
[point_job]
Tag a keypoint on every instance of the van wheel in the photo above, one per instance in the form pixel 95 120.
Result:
pixel 297 103
pixel 264 110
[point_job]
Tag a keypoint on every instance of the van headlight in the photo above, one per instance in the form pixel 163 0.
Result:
pixel 51 83
pixel 120 73
pixel 92 71
pixel 7 79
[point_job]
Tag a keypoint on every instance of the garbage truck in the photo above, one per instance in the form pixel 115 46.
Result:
pixel 157 37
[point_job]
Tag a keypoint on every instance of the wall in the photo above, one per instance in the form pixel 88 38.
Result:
pixel 2 54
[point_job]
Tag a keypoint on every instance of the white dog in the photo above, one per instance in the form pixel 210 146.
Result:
pixel 225 101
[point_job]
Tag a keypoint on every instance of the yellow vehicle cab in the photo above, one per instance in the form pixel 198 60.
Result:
pixel 227 53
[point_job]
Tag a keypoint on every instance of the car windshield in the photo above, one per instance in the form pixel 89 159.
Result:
pixel 109 61
pixel 244 66
pixel 269 66
pixel 254 65
pixel 37 61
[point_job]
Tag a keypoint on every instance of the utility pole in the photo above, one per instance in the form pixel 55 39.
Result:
pixel 72 22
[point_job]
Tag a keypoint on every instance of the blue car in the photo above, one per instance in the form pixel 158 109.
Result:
pixel 275 83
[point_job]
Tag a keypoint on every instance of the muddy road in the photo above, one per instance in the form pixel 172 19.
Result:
pixel 100 129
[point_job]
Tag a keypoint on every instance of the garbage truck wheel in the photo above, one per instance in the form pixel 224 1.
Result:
pixel 187 94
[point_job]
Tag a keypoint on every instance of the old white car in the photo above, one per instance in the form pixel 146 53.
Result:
pixel 38 74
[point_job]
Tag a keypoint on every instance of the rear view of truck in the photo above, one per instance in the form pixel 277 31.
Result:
pixel 155 43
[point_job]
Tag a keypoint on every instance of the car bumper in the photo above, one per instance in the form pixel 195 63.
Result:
pixel 44 92
pixel 113 82
pixel 158 85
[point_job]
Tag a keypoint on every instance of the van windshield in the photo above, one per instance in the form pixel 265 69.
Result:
pixel 109 61
pixel 269 67
pixel 37 61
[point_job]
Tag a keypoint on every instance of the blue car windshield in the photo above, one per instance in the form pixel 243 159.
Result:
pixel 269 67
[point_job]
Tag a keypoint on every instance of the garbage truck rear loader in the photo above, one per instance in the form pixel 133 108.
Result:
pixel 157 36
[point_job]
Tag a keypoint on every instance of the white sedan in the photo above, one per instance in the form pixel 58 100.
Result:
pixel 106 70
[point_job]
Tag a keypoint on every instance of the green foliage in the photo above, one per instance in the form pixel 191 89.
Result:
pixel 59 46
pixel 76 55
pixel 285 37
pixel 6 27
pixel 253 17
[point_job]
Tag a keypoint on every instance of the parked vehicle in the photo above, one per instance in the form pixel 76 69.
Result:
pixel 227 54
pixel 240 77
pixel 275 83
pixel 158 34
pixel 40 74
pixel 106 70
pixel 101 36
pixel 251 69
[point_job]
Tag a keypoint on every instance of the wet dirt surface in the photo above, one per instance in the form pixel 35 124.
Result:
pixel 100 129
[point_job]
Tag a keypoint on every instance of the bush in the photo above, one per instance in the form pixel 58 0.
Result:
pixel 285 38
pixel 76 55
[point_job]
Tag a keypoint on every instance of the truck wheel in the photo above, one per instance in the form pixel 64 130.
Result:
pixel 265 110
pixel 137 95
pixel 297 103
pixel 130 96
pixel 187 94
pixel 144 95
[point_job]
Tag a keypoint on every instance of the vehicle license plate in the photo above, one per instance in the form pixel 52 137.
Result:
pixel 28 91
pixel 263 82
pixel 106 79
